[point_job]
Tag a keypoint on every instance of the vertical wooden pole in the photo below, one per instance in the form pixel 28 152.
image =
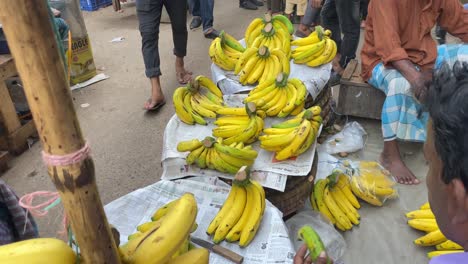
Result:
pixel 30 37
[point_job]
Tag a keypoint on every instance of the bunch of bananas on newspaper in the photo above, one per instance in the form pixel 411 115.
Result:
pixel 166 240
pixel 260 64
pixel 424 220
pixel 279 97
pixel 216 155
pixel 238 124
pixel 281 28
pixel 293 137
pixel 241 214
pixel 373 184
pixel 200 98
pixel 225 51
pixel 273 39
pixel 314 50
pixel 335 200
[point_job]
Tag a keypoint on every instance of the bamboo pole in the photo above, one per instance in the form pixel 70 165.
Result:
pixel 30 37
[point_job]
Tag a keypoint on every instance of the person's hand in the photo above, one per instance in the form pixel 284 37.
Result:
pixel 419 87
pixel 301 257
pixel 316 3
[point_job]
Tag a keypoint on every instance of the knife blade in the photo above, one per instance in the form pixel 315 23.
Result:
pixel 222 251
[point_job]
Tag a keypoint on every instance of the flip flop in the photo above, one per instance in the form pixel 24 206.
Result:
pixel 156 106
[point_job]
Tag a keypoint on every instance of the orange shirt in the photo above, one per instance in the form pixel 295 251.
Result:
pixel 401 29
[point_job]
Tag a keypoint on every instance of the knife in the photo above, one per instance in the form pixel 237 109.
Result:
pixel 222 251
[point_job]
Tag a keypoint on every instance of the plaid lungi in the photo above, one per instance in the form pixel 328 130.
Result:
pixel 403 117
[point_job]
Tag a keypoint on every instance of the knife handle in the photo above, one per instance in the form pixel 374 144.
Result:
pixel 232 256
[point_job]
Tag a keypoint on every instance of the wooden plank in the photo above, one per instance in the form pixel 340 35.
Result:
pixel 7 67
pixel 361 101
pixel 3 143
pixel 18 140
pixel 348 72
pixel 4 159
pixel 8 114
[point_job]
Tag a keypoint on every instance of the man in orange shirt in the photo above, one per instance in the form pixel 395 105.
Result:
pixel 398 57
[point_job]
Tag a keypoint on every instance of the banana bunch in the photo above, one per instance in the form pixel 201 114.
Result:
pixel 225 51
pixel 200 98
pixel 241 214
pixel 235 127
pixel 424 220
pixel 257 27
pixel 273 38
pixel 315 50
pixel 166 240
pixel 313 241
pixel 334 199
pixel 373 185
pixel 260 64
pixel 37 251
pixel 216 155
pixel 279 97
pixel 293 137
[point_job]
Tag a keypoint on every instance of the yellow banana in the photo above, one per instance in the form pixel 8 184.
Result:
pixel 201 159
pixel 194 256
pixel 291 100
pixel 257 72
pixel 344 185
pixel 249 66
pixel 245 134
pixel 232 120
pixel 282 58
pixel 248 53
pixel 282 140
pixel 163 211
pixel 206 82
pixel 236 162
pixel 301 91
pixel 340 200
pixel 271 101
pixel 371 199
pixel 276 108
pixel 307 55
pixel 423 224
pixel 448 245
pixel 278 131
pixel 324 56
pixel 332 54
pixel 418 214
pixel 232 111
pixel 228 130
pixel 256 213
pixel 37 251
pixel 233 216
pixel 200 109
pixel 148 225
pixel 192 156
pixel 188 145
pixel 235 233
pixel 314 37
pixel 426 205
pixel 298 109
pixel 235 152
pixel 220 55
pixel 180 109
pixel 335 210
pixel 292 148
pixel 223 166
pixel 157 246
pixel 228 204
pixel 188 105
pixel 318 193
pixel 134 235
pixel 256 23
pixel 431 239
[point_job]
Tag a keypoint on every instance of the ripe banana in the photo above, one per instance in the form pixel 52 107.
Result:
pixel 431 239
pixel 448 245
pixel 421 214
pixel 37 251
pixel 233 216
pixel 436 253
pixel 313 241
pixel 366 196
pixel 194 256
pixel 318 193
pixel 255 211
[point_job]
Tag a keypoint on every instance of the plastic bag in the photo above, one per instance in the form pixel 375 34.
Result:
pixel 371 182
pixel 350 139
pixel 333 241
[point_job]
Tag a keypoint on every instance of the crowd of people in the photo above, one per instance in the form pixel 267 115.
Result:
pixel 399 57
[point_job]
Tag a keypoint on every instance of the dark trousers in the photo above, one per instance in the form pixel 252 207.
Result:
pixel 311 16
pixel 203 9
pixel 274 5
pixel 343 16
pixel 149 18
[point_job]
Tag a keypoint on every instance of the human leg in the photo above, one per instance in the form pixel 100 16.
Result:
pixel 178 15
pixel 194 6
pixel 403 118
pixel 349 20
pixel 311 18
pixel 207 7
pixel 149 17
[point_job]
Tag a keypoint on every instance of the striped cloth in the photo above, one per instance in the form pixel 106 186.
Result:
pixel 402 115
pixel 15 223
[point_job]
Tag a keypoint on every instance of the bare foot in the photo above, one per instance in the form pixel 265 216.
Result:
pixel 398 169
pixel 183 76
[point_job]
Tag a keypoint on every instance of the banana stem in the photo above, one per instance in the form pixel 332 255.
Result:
pixel 208 142
pixel 282 79
pixel 267 18
pixel 250 108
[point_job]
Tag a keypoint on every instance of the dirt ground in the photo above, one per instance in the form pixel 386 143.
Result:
pixel 126 142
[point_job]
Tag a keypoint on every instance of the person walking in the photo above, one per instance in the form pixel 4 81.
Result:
pixel 202 12
pixel 310 19
pixel 149 18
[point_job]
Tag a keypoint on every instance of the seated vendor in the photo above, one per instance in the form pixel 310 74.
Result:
pixel 446 151
pixel 398 57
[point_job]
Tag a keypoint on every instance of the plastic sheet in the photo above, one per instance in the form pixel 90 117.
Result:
pixel 350 139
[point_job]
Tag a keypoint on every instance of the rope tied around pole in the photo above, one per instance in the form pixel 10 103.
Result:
pixel 67 159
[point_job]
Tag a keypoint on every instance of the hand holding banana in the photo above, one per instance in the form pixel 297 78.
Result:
pixel 241 214
pixel 200 98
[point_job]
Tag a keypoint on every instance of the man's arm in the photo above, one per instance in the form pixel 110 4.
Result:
pixel 416 78
pixel 454 19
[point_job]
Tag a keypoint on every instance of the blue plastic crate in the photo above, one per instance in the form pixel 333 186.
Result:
pixel 93 5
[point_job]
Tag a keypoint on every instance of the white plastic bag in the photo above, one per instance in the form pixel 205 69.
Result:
pixel 332 240
pixel 350 139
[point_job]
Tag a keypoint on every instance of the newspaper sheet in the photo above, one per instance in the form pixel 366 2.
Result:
pixel 268 171
pixel 314 78
pixel 270 245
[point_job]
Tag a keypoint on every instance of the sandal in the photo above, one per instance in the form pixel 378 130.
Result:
pixel 155 107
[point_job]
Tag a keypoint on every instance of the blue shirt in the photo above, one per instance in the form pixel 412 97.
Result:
pixel 456 258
